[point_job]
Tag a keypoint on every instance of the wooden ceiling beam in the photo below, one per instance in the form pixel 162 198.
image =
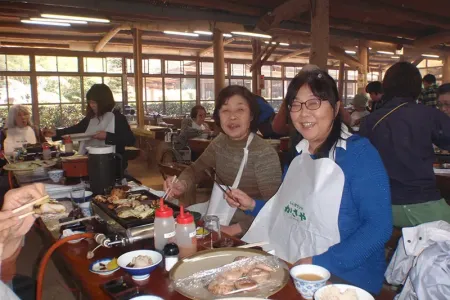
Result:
pixel 102 43
pixel 269 53
pixel 211 48
pixel 257 60
pixel 292 54
pixel 234 7
pixel 286 11
pixel 417 61
pixel 340 54
pixel 385 9
pixel 432 40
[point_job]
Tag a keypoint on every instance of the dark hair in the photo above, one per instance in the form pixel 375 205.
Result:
pixel 323 87
pixel 232 90
pixel 102 95
pixel 444 89
pixel 429 78
pixel 402 80
pixel 374 87
pixel 195 109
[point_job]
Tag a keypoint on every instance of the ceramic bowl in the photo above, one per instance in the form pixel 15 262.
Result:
pixel 139 273
pixel 69 232
pixel 362 294
pixel 56 175
pixel 95 267
pixel 307 288
pixel 147 297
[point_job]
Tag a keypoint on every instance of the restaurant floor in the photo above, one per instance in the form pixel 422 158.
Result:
pixel 54 285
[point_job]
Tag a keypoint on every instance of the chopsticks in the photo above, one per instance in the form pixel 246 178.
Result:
pixel 218 183
pixel 166 194
pixel 221 180
pixel 32 203
pixel 259 244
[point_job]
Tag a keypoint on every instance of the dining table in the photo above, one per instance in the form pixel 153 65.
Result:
pixel 71 261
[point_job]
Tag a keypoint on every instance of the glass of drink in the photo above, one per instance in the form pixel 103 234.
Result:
pixel 211 224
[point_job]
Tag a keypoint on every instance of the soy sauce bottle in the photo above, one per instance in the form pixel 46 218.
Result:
pixel 170 253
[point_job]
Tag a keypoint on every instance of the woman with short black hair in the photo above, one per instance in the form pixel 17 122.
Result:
pixel 240 159
pixel 333 208
pixel 108 125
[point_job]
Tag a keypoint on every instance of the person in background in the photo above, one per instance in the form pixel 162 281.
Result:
pixel 266 116
pixel 280 122
pixel 428 96
pixel 444 98
pixel 375 91
pixel 333 208
pixel 239 157
pixel 12 233
pixel 404 133
pixel 107 124
pixel 19 129
pixel 195 126
pixel 359 104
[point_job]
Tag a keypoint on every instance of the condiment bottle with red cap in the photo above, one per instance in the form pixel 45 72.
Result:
pixel 46 152
pixel 164 226
pixel 186 234
pixel 68 145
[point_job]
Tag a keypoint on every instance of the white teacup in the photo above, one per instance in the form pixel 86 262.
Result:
pixel 308 286
pixel 86 209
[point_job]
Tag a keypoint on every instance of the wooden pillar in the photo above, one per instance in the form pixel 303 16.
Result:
pixel 363 54
pixel 34 91
pixel 219 62
pixel 446 69
pixel 256 50
pixel 320 33
pixel 341 80
pixel 137 56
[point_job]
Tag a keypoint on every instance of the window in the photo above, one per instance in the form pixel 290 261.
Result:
pixel 289 72
pixel 265 70
pixel 181 67
pixel 110 65
pixel 153 95
pixel 151 66
pixel 56 64
pixel 352 75
pixel 350 90
pixel 334 74
pixel 17 63
pixel 15 90
pixel 206 68
pixel 207 89
pixel 237 70
pixel 276 71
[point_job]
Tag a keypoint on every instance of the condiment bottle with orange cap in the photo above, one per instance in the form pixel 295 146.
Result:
pixel 185 234
pixel 164 226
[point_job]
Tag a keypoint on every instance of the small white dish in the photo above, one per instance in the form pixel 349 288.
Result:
pixel 147 297
pixel 95 267
pixel 69 232
pixel 362 294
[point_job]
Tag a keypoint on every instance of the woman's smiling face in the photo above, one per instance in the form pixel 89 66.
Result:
pixel 235 117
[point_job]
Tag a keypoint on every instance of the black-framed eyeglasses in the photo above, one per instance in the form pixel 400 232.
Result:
pixel 311 104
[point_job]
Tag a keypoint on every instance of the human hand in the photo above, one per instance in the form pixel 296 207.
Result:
pixel 231 230
pixel 7 221
pixel 176 188
pixel 237 198
pixel 47 132
pixel 100 135
pixel 15 198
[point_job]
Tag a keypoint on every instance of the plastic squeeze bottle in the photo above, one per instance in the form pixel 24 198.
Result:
pixel 46 152
pixel 68 145
pixel 186 234
pixel 164 226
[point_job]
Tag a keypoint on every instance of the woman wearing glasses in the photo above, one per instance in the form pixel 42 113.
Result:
pixel 333 208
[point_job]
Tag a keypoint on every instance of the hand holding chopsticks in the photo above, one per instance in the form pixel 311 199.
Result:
pixel 41 200
pixel 169 188
pixel 228 193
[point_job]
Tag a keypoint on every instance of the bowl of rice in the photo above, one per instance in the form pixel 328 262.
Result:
pixel 342 292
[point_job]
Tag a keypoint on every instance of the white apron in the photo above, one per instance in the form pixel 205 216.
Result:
pixel 217 205
pixel 301 219
pixel 106 123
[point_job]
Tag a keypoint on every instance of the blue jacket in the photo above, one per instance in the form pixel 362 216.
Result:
pixel 365 218
pixel 405 141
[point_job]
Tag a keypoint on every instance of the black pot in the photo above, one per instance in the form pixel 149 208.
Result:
pixel 102 168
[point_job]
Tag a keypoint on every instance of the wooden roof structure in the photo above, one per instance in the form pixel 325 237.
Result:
pixel 414 27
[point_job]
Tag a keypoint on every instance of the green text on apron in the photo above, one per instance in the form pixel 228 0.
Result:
pixel 301 220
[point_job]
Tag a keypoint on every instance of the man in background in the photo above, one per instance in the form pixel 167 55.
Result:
pixel 428 96
pixel 375 91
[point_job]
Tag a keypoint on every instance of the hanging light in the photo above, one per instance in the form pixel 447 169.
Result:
pixel 181 33
pixel 64 17
pixel 45 23
pixel 251 34
pixel 59 21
